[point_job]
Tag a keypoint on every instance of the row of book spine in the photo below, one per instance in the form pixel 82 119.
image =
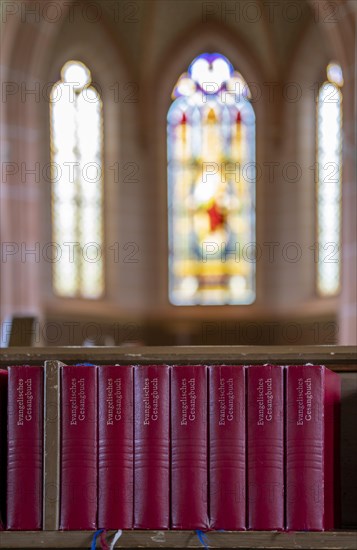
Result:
pixel 181 447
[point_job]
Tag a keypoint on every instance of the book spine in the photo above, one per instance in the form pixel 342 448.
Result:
pixel 265 400
pixel 152 447
pixel 305 448
pixel 115 447
pixel 332 470
pixel 52 448
pixel 78 447
pixel 189 475
pixel 227 473
pixel 25 448
pixel 3 445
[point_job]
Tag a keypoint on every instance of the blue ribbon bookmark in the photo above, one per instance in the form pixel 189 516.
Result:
pixel 94 539
pixel 202 538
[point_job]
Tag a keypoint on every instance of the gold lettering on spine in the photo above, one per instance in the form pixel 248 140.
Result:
pixel 304 401
pixel 114 398
pixel 188 400
pixel 155 399
pixel 73 401
pixel 20 402
pixel 151 400
pixel 308 396
pixel 225 400
pixel 82 399
pixel 183 401
pixel 265 400
pixel 192 397
pixel 146 400
pixel 77 399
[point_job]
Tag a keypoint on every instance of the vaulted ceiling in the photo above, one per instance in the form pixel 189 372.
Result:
pixel 270 30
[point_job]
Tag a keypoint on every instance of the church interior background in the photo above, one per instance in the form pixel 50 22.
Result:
pixel 178 172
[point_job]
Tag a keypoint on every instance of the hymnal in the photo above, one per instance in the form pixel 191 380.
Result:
pixel 265 410
pixel 115 447
pixel 189 460
pixel 151 447
pixel 312 447
pixel 25 448
pixel 3 445
pixel 227 468
pixel 79 448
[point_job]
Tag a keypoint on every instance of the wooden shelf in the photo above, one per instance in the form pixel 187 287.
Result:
pixel 339 358
pixel 346 540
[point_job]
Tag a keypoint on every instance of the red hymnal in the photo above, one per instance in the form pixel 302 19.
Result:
pixel 151 447
pixel 25 448
pixel 265 463
pixel 312 446
pixel 115 447
pixel 189 475
pixel 3 445
pixel 227 486
pixel 78 447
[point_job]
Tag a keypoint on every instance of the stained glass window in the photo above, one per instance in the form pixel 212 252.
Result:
pixel 77 184
pixel 211 186
pixel 329 164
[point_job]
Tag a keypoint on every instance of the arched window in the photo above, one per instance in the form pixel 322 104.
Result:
pixel 77 183
pixel 329 164
pixel 211 186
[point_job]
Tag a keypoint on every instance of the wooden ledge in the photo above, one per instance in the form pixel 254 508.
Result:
pixel 329 540
pixel 341 358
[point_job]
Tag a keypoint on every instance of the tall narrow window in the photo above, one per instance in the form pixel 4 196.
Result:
pixel 329 163
pixel 77 183
pixel 211 186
